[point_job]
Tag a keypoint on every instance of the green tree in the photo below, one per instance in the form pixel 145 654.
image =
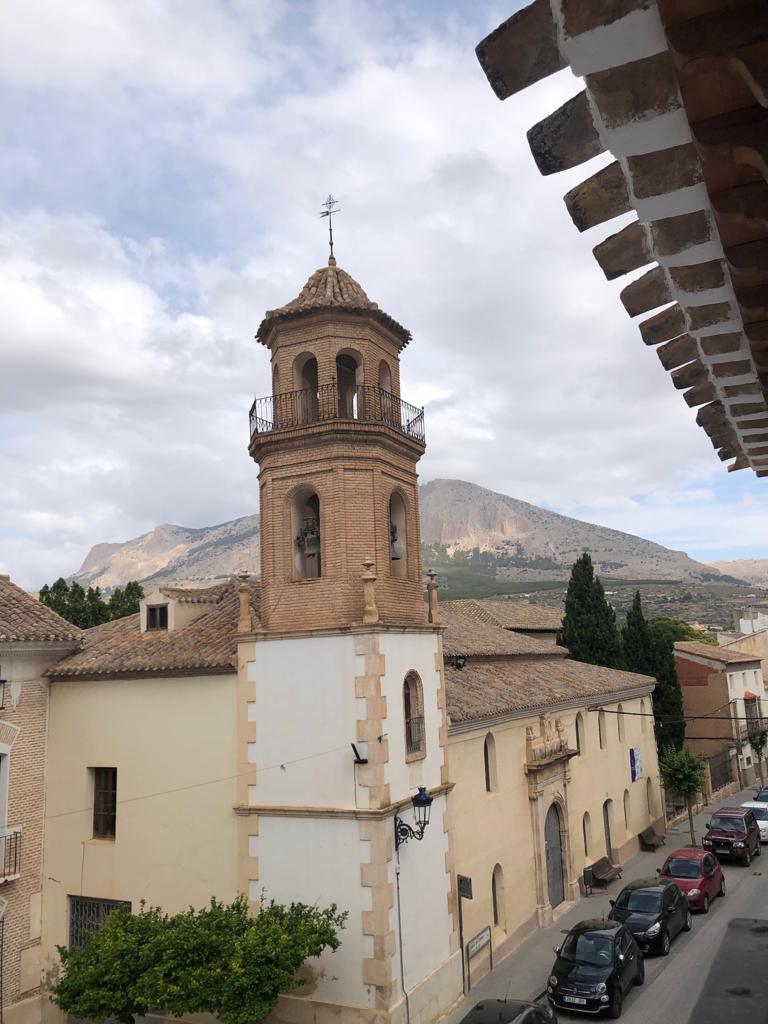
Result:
pixel 636 641
pixel 673 630
pixel 56 597
pixel 589 628
pixel 683 773
pixel 124 602
pixel 217 960
pixel 667 697
pixel 77 609
pixel 758 740
pixel 97 607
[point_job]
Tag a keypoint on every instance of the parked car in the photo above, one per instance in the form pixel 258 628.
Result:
pixel 654 911
pixel 597 964
pixel 697 874
pixel 510 1011
pixel 760 811
pixel 733 832
pixel 762 795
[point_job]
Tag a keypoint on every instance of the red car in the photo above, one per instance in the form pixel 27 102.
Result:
pixel 697 873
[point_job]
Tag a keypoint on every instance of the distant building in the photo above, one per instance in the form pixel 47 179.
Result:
pixel 753 619
pixel 723 695
pixel 32 638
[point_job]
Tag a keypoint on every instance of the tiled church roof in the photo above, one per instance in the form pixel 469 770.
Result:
pixel 24 618
pixel 469 635
pixel 205 644
pixel 513 614
pixel 330 288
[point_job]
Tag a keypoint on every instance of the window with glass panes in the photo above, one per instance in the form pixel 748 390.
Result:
pixel 104 802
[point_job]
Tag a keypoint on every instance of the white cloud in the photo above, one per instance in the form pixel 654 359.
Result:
pixel 207 135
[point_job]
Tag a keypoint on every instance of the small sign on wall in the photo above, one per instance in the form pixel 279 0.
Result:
pixel 636 763
pixel 478 942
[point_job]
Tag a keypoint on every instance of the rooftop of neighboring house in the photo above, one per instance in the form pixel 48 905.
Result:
pixel 206 644
pixel 23 617
pixel 724 655
pixel 471 630
pixel 516 615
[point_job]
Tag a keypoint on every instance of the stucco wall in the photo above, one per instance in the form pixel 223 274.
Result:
pixel 498 827
pixel 172 741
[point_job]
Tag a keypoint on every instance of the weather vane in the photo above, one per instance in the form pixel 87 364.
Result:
pixel 328 212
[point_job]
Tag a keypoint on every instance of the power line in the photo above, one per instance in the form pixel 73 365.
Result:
pixel 208 782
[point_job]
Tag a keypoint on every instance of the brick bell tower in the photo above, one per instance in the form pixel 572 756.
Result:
pixel 341 695
pixel 337 449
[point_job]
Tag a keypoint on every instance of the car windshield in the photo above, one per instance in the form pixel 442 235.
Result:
pixel 681 867
pixel 763 794
pixel 761 813
pixel 640 901
pixel 594 948
pixel 727 824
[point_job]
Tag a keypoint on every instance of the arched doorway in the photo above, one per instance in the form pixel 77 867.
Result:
pixel 554 855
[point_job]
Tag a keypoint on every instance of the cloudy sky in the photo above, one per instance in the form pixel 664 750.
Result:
pixel 163 167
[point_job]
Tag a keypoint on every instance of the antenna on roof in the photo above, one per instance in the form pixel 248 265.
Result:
pixel 328 212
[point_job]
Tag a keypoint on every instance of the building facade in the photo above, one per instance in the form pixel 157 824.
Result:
pixel 32 638
pixel 723 699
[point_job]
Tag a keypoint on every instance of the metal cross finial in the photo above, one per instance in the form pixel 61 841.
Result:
pixel 328 212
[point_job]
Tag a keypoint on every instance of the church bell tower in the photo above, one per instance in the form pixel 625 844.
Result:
pixel 342 729
pixel 337 449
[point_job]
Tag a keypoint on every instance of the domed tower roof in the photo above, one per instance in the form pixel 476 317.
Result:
pixel 330 288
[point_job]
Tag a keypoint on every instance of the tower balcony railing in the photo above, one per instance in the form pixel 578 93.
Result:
pixel 10 854
pixel 335 401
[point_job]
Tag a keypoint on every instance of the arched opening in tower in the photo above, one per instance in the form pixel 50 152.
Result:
pixel 307 539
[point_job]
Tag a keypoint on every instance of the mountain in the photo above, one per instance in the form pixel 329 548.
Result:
pixel 526 542
pixel 753 570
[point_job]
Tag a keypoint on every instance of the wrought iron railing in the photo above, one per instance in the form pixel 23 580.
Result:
pixel 335 401
pixel 414 734
pixel 10 853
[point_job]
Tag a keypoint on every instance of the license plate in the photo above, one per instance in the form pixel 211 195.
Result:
pixel 722 849
pixel 575 1000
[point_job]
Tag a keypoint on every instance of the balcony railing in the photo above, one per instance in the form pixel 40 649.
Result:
pixel 10 854
pixel 336 402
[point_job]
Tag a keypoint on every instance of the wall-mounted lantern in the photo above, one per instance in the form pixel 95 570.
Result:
pixel 422 803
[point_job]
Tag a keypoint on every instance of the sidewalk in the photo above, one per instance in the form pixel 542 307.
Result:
pixel 523 974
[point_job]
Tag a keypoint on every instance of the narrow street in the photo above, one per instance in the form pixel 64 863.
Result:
pixel 672 983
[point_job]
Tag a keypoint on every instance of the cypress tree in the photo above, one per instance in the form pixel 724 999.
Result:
pixel 667 697
pixel 589 624
pixel 637 643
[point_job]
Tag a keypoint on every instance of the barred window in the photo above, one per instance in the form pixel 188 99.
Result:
pixel 104 802
pixel 87 915
pixel 413 706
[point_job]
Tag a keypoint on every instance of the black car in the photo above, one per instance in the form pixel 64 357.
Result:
pixel 509 1011
pixel 654 911
pixel 596 965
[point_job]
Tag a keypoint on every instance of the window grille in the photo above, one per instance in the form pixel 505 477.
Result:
pixel 104 802
pixel 87 915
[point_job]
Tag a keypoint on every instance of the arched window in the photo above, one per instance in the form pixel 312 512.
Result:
pixel 649 797
pixel 349 378
pixel 499 899
pixel 398 547
pixel 489 763
pixel 385 376
pixel 305 399
pixel 306 531
pixel 643 712
pixel 580 733
pixel 601 729
pixel 620 722
pixel 586 828
pixel 413 707
pixel 627 815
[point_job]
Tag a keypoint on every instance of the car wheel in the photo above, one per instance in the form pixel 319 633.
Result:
pixel 758 850
pixel 721 891
pixel 640 976
pixel 614 1010
pixel 747 859
pixel 705 905
pixel 664 944
pixel 688 921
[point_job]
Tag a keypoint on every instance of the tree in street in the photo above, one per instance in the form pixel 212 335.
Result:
pixel 758 740
pixel 683 774
pixel 217 960
pixel 589 628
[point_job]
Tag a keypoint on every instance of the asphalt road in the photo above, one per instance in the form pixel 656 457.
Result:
pixel 673 983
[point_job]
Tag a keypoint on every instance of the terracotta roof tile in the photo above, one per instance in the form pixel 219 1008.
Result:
pixel 468 634
pixel 484 689
pixel 119 647
pixel 23 617
pixel 516 614
pixel 197 595
pixel 722 654
pixel 330 288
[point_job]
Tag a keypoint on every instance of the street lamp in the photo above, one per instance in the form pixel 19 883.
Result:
pixel 422 803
